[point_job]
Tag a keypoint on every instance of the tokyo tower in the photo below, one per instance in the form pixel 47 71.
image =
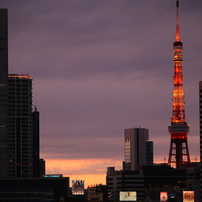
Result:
pixel 179 152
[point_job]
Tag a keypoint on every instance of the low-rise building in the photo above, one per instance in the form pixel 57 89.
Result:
pixel 34 189
pixel 193 180
pixel 128 180
pixel 97 193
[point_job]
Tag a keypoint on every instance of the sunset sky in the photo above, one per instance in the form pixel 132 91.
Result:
pixel 99 67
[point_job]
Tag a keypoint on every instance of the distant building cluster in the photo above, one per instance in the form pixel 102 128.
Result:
pixel 22 171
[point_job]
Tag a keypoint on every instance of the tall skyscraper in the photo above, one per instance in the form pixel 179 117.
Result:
pixel 19 126
pixel 179 152
pixel 3 93
pixel 200 124
pixel 138 150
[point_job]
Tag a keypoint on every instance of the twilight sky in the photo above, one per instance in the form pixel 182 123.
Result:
pixel 100 66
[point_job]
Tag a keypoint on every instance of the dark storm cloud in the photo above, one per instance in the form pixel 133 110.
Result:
pixel 102 66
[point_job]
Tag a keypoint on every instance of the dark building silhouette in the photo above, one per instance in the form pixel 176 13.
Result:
pixel 19 126
pixel 200 124
pixel 36 143
pixel 4 159
pixel 193 180
pixel 42 167
pixel 163 178
pixel 97 193
pixel 147 181
pixel 124 180
pixel 34 189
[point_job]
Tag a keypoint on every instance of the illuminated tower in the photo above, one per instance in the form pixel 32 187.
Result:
pixel 179 153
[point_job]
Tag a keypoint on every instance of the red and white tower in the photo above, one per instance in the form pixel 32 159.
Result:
pixel 179 152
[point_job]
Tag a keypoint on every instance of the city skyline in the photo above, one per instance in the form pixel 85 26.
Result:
pixel 101 67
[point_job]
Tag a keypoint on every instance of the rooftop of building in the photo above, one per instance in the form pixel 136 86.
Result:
pixel 20 76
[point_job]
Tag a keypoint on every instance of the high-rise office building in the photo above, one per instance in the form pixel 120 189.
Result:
pixel 19 126
pixel 138 150
pixel 200 123
pixel 3 93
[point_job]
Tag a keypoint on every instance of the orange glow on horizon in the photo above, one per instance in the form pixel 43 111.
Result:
pixel 92 171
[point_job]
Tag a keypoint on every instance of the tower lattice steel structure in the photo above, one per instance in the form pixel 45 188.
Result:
pixel 179 152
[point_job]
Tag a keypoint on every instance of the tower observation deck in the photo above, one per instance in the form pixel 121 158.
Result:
pixel 179 152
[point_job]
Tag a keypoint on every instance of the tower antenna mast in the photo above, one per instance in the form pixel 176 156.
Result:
pixel 179 152
pixel 177 35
